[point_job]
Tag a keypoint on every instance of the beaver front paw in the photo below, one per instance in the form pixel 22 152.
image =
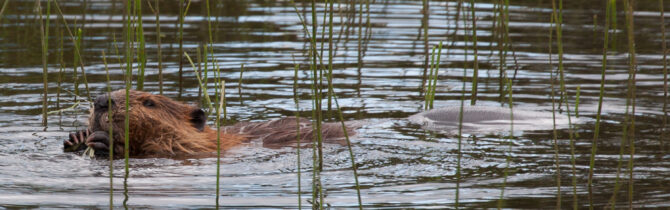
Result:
pixel 99 141
pixel 76 141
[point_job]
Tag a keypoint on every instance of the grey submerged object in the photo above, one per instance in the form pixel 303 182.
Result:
pixel 486 120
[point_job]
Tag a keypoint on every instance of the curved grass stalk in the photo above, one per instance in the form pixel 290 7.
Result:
pixel 351 152
pixel 2 10
pixel 201 83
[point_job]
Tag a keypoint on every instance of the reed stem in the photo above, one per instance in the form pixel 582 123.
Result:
pixel 433 87
pixel 158 44
pixel 632 72
pixel 297 118
pixel 141 52
pixel 475 64
pixel 111 133
pixel 239 83
pixel 553 117
pixel 201 83
pixel 128 80
pixel 221 98
pixel 665 78
pixel 2 10
pixel 44 32
pixel 424 24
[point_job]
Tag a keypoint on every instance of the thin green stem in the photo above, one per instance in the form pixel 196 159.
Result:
pixel 632 70
pixel 111 134
pixel 128 81
pixel 2 10
pixel 221 98
pixel 141 52
pixel 434 79
pixel 475 63
pixel 665 77
pixel 297 119
pixel 44 32
pixel 553 117
pixel 201 83
pixel 608 20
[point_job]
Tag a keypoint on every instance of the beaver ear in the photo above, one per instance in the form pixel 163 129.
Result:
pixel 198 119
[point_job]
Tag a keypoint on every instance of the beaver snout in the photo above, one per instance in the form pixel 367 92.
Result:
pixel 102 103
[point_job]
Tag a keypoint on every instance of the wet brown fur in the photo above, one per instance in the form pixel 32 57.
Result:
pixel 160 126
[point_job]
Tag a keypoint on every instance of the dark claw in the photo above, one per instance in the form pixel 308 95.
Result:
pixel 75 141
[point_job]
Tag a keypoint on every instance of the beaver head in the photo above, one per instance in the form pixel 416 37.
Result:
pixel 157 124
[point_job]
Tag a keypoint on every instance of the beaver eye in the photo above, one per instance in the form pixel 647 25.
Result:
pixel 149 103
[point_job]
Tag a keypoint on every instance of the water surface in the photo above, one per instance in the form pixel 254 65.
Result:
pixel 400 164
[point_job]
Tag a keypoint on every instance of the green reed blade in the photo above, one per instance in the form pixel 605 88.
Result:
pixel 221 98
pixel 297 119
pixel 128 80
pixel 665 79
pixel 430 74
pixel 4 6
pixel 111 135
pixel 434 79
pixel 424 24
pixel 239 82
pixel 475 63
pixel 608 21
pixel 44 32
pixel 158 44
pixel 141 52
pixel 201 83
pixel 553 117
pixel 632 71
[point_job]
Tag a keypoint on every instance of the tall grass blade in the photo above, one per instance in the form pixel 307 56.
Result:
pixel 434 79
pixel 111 133
pixel 424 24
pixel 80 38
pixel 158 45
pixel 239 83
pixel 202 84
pixel 632 71
pixel 221 98
pixel 553 117
pixel 297 118
pixel 475 63
pixel 429 80
pixel 608 21
pixel 664 47
pixel 577 95
pixel 2 10
pixel 128 79
pixel 61 65
pixel 44 32
pixel 141 52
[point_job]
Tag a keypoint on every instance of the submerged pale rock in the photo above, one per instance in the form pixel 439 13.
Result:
pixel 487 120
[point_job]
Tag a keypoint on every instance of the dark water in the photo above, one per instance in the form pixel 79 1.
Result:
pixel 400 164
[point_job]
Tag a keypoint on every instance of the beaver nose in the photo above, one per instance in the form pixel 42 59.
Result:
pixel 102 103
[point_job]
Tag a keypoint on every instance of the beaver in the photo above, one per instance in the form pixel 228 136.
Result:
pixel 160 126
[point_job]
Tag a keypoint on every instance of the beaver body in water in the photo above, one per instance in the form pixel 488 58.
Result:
pixel 160 126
